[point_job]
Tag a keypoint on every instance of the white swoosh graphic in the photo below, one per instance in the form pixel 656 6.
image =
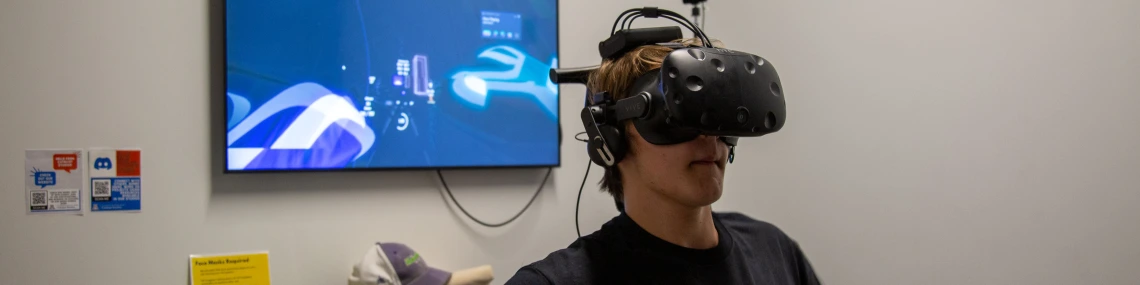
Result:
pixel 309 126
pixel 295 96
pixel 241 108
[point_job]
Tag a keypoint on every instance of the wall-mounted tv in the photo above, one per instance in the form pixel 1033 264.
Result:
pixel 366 84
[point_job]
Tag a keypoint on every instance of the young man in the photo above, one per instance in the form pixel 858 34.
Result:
pixel 668 233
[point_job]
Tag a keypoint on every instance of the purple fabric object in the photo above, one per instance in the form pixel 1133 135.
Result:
pixel 411 268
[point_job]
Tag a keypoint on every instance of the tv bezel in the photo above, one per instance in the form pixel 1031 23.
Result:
pixel 224 140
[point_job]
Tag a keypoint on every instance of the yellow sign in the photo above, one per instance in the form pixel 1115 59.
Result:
pixel 238 269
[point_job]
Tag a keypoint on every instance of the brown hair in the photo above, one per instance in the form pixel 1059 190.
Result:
pixel 615 76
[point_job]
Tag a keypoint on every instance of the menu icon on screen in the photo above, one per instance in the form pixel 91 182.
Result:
pixel 501 25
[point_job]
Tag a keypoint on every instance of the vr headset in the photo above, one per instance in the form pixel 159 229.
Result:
pixel 700 90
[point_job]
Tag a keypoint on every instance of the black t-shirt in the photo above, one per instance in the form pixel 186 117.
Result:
pixel 621 252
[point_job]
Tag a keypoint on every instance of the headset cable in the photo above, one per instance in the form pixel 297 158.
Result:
pixel 579 202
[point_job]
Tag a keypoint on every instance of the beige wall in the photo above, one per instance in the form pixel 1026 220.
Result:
pixel 949 142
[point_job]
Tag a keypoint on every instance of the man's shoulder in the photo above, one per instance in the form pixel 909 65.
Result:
pixel 576 253
pixel 564 266
pixel 763 240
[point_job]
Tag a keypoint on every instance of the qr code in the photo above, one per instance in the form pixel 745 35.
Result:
pixel 101 188
pixel 39 198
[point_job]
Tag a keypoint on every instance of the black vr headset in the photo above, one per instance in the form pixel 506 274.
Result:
pixel 697 91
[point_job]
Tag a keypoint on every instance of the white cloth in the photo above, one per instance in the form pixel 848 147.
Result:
pixel 373 269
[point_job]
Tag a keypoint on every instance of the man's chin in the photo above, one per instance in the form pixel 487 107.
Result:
pixel 704 194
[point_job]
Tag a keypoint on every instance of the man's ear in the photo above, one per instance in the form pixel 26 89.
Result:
pixel 632 138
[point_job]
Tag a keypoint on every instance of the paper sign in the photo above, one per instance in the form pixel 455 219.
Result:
pixel 53 182
pixel 116 180
pixel 243 269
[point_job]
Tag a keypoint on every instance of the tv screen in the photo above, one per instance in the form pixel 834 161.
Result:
pixel 321 84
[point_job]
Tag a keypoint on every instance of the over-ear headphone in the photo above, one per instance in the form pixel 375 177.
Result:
pixel 607 144
pixel 609 147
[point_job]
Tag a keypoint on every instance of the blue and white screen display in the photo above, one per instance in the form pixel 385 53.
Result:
pixel 324 84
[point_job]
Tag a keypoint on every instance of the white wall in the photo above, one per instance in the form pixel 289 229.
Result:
pixel 929 142
pixel 949 142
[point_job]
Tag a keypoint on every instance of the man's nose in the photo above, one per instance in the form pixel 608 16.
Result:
pixel 708 139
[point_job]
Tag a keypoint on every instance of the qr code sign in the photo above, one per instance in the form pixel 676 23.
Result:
pixel 39 198
pixel 101 188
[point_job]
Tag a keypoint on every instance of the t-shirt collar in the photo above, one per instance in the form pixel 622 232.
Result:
pixel 642 241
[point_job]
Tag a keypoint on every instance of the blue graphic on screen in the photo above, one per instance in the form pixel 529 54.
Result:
pixel 501 25
pixel 390 84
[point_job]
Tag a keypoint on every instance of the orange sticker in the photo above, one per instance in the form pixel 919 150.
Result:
pixel 127 163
